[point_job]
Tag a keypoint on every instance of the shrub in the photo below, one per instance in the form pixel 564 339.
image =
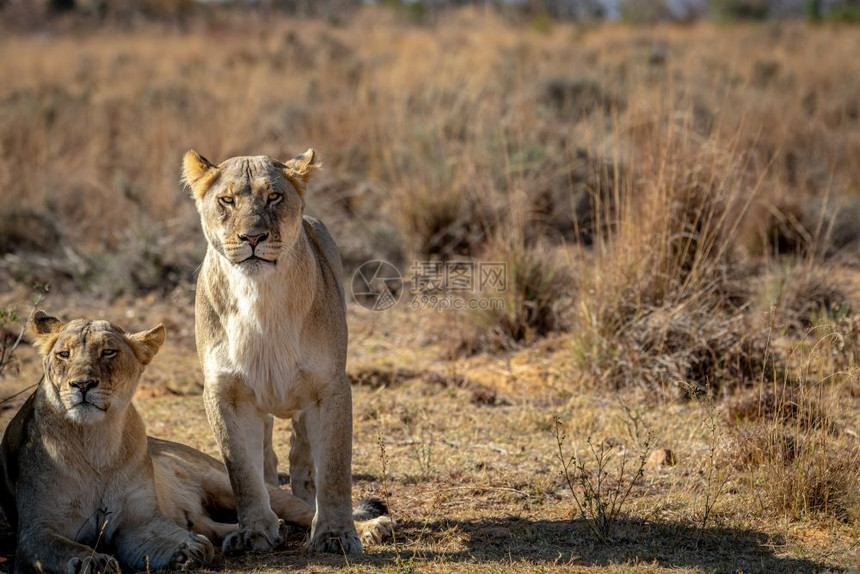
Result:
pixel 539 291
pixel 847 11
pixel 444 223
pixel 600 481
pixel 820 478
pixel 573 98
pixel 802 297
pixel 660 298
pixel 537 299
pixel 734 10
pixel 800 461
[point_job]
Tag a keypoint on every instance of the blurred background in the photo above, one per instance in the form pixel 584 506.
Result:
pixel 627 160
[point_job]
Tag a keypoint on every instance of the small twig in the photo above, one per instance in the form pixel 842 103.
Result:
pixel 711 494
pixel 602 499
pixel 383 459
pixel 7 352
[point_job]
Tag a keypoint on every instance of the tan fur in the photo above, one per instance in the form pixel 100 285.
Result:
pixel 76 474
pixel 300 169
pixel 271 336
pixel 197 171
pixel 73 477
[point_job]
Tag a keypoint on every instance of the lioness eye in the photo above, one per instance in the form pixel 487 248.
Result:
pixel 109 353
pixel 275 197
pixel 226 200
pixel 63 354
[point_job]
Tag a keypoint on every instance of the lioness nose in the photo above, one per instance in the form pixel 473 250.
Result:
pixel 84 385
pixel 253 240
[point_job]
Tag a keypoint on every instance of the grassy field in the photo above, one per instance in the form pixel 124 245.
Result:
pixel 676 207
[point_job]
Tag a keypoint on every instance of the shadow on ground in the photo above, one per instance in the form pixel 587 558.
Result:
pixel 570 543
pixel 564 542
pixel 667 544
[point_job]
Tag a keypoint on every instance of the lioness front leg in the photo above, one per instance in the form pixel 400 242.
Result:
pixel 41 550
pixel 329 425
pixel 239 427
pixel 160 543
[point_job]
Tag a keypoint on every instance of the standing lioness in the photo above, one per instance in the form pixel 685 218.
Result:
pixel 271 336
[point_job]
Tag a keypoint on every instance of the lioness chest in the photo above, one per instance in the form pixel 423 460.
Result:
pixel 93 511
pixel 263 343
pixel 86 505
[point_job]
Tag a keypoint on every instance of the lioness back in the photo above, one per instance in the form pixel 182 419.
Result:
pixel 326 249
pixel 13 439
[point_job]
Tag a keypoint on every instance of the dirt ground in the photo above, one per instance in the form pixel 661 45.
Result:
pixel 470 459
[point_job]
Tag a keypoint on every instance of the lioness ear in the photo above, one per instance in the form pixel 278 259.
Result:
pixel 301 168
pixel 43 324
pixel 44 329
pixel 198 173
pixel 147 343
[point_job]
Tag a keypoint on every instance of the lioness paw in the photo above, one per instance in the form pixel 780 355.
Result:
pixel 375 530
pixel 336 542
pixel 95 563
pixel 195 552
pixel 246 540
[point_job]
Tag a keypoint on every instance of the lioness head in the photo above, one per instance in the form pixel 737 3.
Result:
pixel 91 367
pixel 250 207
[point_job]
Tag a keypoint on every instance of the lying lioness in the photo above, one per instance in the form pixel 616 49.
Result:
pixel 84 486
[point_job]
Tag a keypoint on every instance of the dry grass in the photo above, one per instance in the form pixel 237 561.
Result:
pixel 792 449
pixel 676 207
pixel 475 484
